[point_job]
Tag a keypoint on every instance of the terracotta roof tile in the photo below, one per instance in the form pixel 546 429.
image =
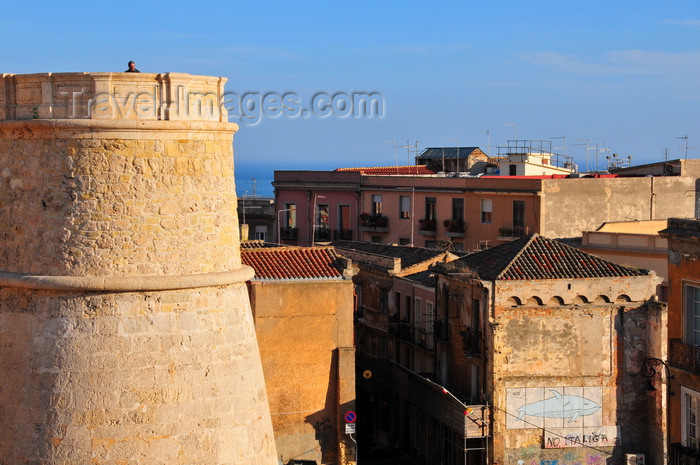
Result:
pixel 391 170
pixel 536 257
pixel 297 263
pixel 256 244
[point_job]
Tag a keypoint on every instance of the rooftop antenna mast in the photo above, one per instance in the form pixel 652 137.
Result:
pixel 408 148
pixel 515 129
pixel 563 147
pixel 603 150
pixel 255 187
pixel 585 142
pixel 685 138
pixel 396 157
pixel 488 142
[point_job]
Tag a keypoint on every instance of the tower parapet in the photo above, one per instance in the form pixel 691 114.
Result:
pixel 125 325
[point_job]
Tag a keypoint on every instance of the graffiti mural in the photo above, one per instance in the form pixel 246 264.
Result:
pixel 557 407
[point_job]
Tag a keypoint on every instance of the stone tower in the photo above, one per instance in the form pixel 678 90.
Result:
pixel 126 335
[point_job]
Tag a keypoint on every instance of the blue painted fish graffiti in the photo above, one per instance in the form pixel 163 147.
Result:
pixel 559 406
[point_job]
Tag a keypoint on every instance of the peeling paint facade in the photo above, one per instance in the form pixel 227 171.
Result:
pixel 559 362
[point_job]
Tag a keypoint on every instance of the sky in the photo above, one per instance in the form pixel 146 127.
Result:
pixel 622 75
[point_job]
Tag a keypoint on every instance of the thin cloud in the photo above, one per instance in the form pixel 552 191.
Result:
pixel 427 50
pixel 636 62
pixel 272 52
pixel 684 22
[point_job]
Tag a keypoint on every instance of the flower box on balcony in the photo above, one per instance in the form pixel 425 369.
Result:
pixel 374 221
pixel 454 226
pixel 427 225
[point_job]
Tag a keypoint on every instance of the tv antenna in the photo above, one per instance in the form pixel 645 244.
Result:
pixel 396 157
pixel 585 142
pixel 408 148
pixel 685 138
pixel 488 142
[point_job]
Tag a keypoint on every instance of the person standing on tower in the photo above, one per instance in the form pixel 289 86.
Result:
pixel 132 68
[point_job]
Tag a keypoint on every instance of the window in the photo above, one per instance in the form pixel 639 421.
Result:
pixel 376 239
pixel 458 209
pixel 322 216
pixel 397 304
pixel 428 324
pixel 690 402
pixel 407 310
pixel 404 206
pixel 476 315
pixel 261 233
pixel 518 214
pixel 291 215
pixel 416 312
pixel 344 217
pixel 486 210
pixel 692 314
pixel 512 170
pixel 383 300
pixel 430 208
pixel 376 204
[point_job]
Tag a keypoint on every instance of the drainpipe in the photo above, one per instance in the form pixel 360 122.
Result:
pixel 651 200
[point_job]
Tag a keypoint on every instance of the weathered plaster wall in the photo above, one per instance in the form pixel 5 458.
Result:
pixel 305 333
pixel 566 386
pixel 571 206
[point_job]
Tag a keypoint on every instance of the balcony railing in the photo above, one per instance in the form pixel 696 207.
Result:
pixel 682 455
pixel 290 233
pixel 378 222
pixel 471 342
pixel 442 330
pixel 428 225
pixel 513 231
pixel 684 356
pixel 455 226
pixel 322 235
pixel 342 234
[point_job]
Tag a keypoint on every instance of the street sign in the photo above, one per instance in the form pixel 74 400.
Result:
pixel 350 417
pixel 349 428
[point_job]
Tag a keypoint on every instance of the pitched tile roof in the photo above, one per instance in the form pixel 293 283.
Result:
pixel 438 153
pixel 296 263
pixel 256 244
pixel 425 278
pixel 409 255
pixel 535 257
pixel 391 170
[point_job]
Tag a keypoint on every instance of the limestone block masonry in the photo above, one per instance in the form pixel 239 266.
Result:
pixel 126 335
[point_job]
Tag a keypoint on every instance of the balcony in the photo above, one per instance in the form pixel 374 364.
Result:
pixel 427 227
pixel 682 455
pixel 684 356
pixel 510 232
pixel 442 330
pixel 471 342
pixel 322 234
pixel 455 228
pixel 342 234
pixel 374 223
pixel 289 233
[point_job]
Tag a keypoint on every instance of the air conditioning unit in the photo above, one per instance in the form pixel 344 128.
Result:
pixel 635 459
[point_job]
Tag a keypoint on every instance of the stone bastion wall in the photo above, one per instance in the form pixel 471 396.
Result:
pixel 125 326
